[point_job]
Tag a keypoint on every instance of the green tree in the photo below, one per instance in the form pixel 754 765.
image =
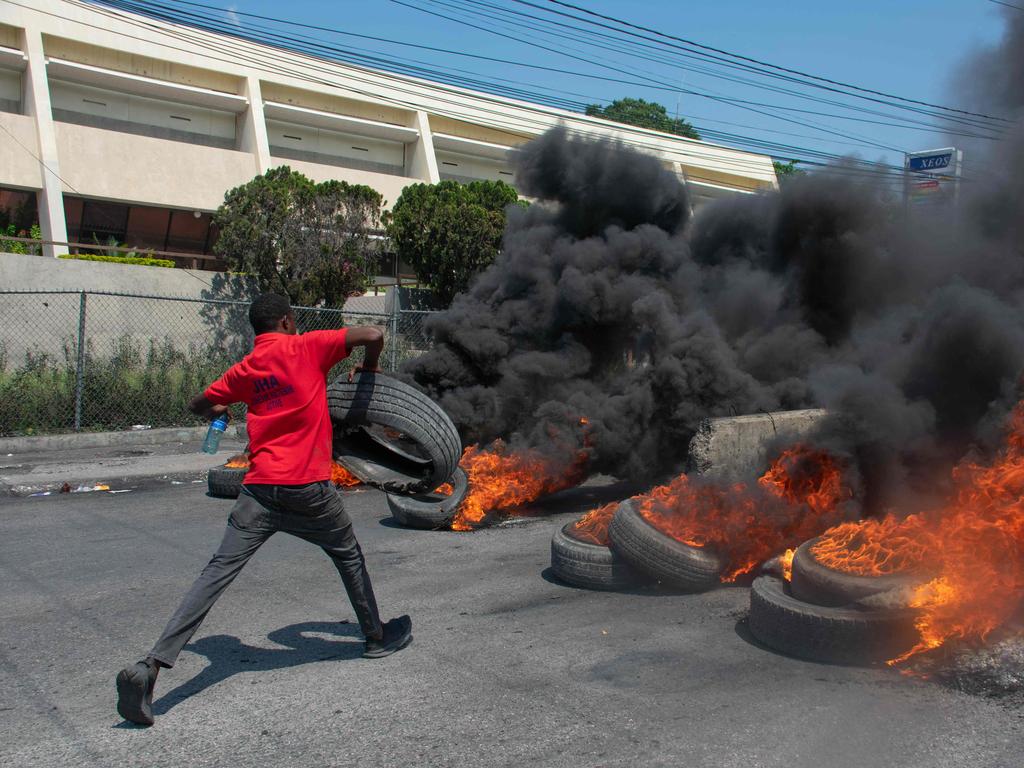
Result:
pixel 786 170
pixel 312 242
pixel 448 232
pixel 645 114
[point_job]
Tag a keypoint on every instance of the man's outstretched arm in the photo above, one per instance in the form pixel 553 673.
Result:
pixel 372 339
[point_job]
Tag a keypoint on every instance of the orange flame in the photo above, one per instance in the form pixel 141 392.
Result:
pixel 786 561
pixel 445 489
pixel 975 543
pixel 593 526
pixel 238 461
pixel 500 479
pixel 341 476
pixel 801 495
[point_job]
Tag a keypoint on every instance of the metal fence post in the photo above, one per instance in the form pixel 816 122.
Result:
pixel 80 363
pixel 393 352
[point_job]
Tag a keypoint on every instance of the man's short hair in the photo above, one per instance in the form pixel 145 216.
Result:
pixel 267 310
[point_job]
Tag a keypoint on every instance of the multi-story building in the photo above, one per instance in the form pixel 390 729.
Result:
pixel 115 125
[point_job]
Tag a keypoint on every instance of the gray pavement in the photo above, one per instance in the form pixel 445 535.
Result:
pixel 507 667
pixel 122 465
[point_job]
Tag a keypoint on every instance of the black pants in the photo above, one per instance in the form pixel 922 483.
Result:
pixel 313 512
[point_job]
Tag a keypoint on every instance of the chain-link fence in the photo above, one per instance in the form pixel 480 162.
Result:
pixel 74 361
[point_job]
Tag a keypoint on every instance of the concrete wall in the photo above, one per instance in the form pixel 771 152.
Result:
pixel 157 171
pixel 47 322
pixel 20 168
pixel 390 187
pixel 735 447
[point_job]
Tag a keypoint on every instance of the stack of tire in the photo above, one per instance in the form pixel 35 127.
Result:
pixel 823 614
pixel 635 554
pixel 393 437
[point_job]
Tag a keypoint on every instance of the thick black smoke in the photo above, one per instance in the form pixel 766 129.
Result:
pixel 607 303
pixel 593 310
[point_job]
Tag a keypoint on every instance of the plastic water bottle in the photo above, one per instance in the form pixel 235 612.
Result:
pixel 214 433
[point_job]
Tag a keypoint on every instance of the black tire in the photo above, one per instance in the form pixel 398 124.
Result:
pixel 390 435
pixel 661 557
pixel 592 566
pixel 433 510
pixel 847 635
pixel 225 482
pixel 815 583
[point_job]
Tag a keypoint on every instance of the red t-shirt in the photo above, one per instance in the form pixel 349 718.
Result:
pixel 283 381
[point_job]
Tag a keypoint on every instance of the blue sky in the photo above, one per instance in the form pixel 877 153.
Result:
pixel 906 48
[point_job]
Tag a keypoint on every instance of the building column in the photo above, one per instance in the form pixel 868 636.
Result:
pixel 423 162
pixel 677 167
pixel 253 127
pixel 37 106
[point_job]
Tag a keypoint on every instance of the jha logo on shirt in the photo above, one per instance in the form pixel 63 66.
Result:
pixel 265 384
pixel 269 392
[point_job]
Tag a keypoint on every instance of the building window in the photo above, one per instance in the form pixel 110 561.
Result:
pixel 10 91
pixel 19 211
pixel 127 113
pixel 188 232
pixel 142 227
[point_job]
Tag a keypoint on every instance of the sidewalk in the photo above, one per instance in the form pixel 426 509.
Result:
pixel 163 456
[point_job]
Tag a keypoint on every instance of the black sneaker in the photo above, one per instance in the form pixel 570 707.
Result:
pixel 135 693
pixel 397 635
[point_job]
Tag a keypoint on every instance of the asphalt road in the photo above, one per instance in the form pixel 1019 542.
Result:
pixel 507 667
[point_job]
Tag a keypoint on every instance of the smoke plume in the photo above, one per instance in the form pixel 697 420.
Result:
pixel 608 303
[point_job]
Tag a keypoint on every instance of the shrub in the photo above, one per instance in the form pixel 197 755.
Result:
pixel 136 382
pixel 143 261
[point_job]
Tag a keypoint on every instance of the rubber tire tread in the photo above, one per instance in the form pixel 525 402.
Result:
pixel 225 482
pixel 398 402
pixel 819 584
pixel 587 565
pixel 427 511
pixel 400 406
pixel 659 556
pixel 837 635
pixel 399 394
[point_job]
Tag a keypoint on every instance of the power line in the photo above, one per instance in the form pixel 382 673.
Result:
pixel 666 86
pixel 788 70
pixel 260 59
pixel 659 47
pixel 1007 5
pixel 789 151
pixel 148 8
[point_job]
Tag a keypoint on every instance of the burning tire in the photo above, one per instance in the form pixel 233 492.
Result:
pixel 430 510
pixel 584 564
pixel 814 582
pixel 650 551
pixel 391 435
pixel 842 635
pixel 225 482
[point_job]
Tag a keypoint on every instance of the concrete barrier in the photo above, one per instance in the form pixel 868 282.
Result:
pixel 735 447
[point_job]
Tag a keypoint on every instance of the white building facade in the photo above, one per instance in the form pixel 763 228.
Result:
pixel 115 126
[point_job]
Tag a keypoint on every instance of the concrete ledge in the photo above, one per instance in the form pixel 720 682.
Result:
pixel 735 447
pixel 73 440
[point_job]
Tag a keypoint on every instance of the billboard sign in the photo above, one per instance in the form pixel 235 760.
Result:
pixel 932 176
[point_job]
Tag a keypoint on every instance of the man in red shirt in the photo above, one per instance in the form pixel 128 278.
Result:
pixel 287 487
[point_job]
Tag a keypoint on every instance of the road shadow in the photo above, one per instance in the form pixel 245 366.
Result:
pixel 228 655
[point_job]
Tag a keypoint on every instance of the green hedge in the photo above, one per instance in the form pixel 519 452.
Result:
pixel 134 382
pixel 140 260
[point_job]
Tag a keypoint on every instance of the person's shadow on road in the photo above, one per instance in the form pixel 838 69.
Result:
pixel 228 655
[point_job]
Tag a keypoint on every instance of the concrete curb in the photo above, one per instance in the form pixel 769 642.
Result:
pixel 74 440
